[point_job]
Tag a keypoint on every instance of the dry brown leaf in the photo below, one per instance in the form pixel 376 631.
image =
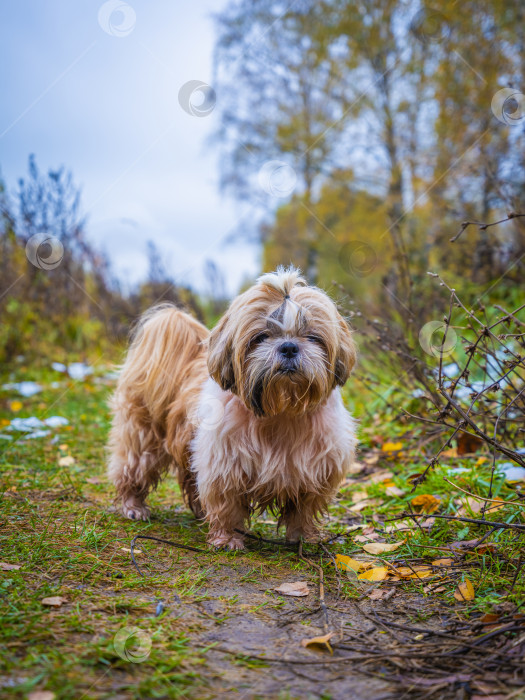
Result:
pixel 452 452
pixel 359 496
pixel 490 617
pixel 367 538
pixel 377 594
pixel 377 573
pixel 357 507
pixel 442 562
pixel 67 461
pixel 323 641
pixel 54 601
pixel 430 589
pixel 470 505
pixel 356 468
pixel 399 525
pixel 426 502
pixel 467 443
pixel 394 491
pixel 464 591
pixel 378 477
pixel 371 460
pixel 298 589
pixel 94 480
pixel 41 695
pixel 9 567
pixel 128 549
pixel 380 547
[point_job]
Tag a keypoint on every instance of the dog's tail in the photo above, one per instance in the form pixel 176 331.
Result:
pixel 166 343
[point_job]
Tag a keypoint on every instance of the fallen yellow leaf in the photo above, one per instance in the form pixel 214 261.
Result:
pixel 346 563
pixel 16 406
pixel 380 547
pixel 392 446
pixel 424 573
pixel 426 502
pixel 464 591
pixel 323 641
pixel 442 562
pixel 412 572
pixel 497 505
pixel 377 573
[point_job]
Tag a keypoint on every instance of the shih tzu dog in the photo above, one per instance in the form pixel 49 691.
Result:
pixel 250 415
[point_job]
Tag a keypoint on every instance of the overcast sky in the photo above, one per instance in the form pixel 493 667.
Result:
pixel 94 86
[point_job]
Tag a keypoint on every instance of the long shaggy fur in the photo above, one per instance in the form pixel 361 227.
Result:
pixel 250 416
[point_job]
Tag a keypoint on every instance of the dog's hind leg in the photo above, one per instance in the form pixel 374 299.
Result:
pixel 301 517
pixel 137 463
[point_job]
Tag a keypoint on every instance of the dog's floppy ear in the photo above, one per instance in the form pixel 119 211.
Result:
pixel 220 355
pixel 346 354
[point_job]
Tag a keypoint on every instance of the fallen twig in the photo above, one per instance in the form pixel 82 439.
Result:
pixel 482 498
pixel 486 523
pixel 321 584
pixel 158 539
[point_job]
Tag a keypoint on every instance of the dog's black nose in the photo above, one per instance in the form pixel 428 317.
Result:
pixel 289 349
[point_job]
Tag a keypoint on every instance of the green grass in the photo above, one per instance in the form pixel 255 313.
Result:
pixel 61 529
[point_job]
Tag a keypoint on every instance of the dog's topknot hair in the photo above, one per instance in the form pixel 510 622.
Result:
pixel 283 279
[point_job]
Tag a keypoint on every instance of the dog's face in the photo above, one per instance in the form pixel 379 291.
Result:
pixel 282 346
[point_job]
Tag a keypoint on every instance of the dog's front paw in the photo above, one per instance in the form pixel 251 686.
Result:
pixel 135 510
pixel 226 540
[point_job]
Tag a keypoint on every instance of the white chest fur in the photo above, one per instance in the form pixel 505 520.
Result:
pixel 234 449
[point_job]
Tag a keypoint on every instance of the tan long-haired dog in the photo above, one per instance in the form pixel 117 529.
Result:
pixel 250 415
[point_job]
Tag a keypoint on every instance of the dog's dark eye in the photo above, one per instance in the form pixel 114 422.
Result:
pixel 260 339
pixel 315 339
